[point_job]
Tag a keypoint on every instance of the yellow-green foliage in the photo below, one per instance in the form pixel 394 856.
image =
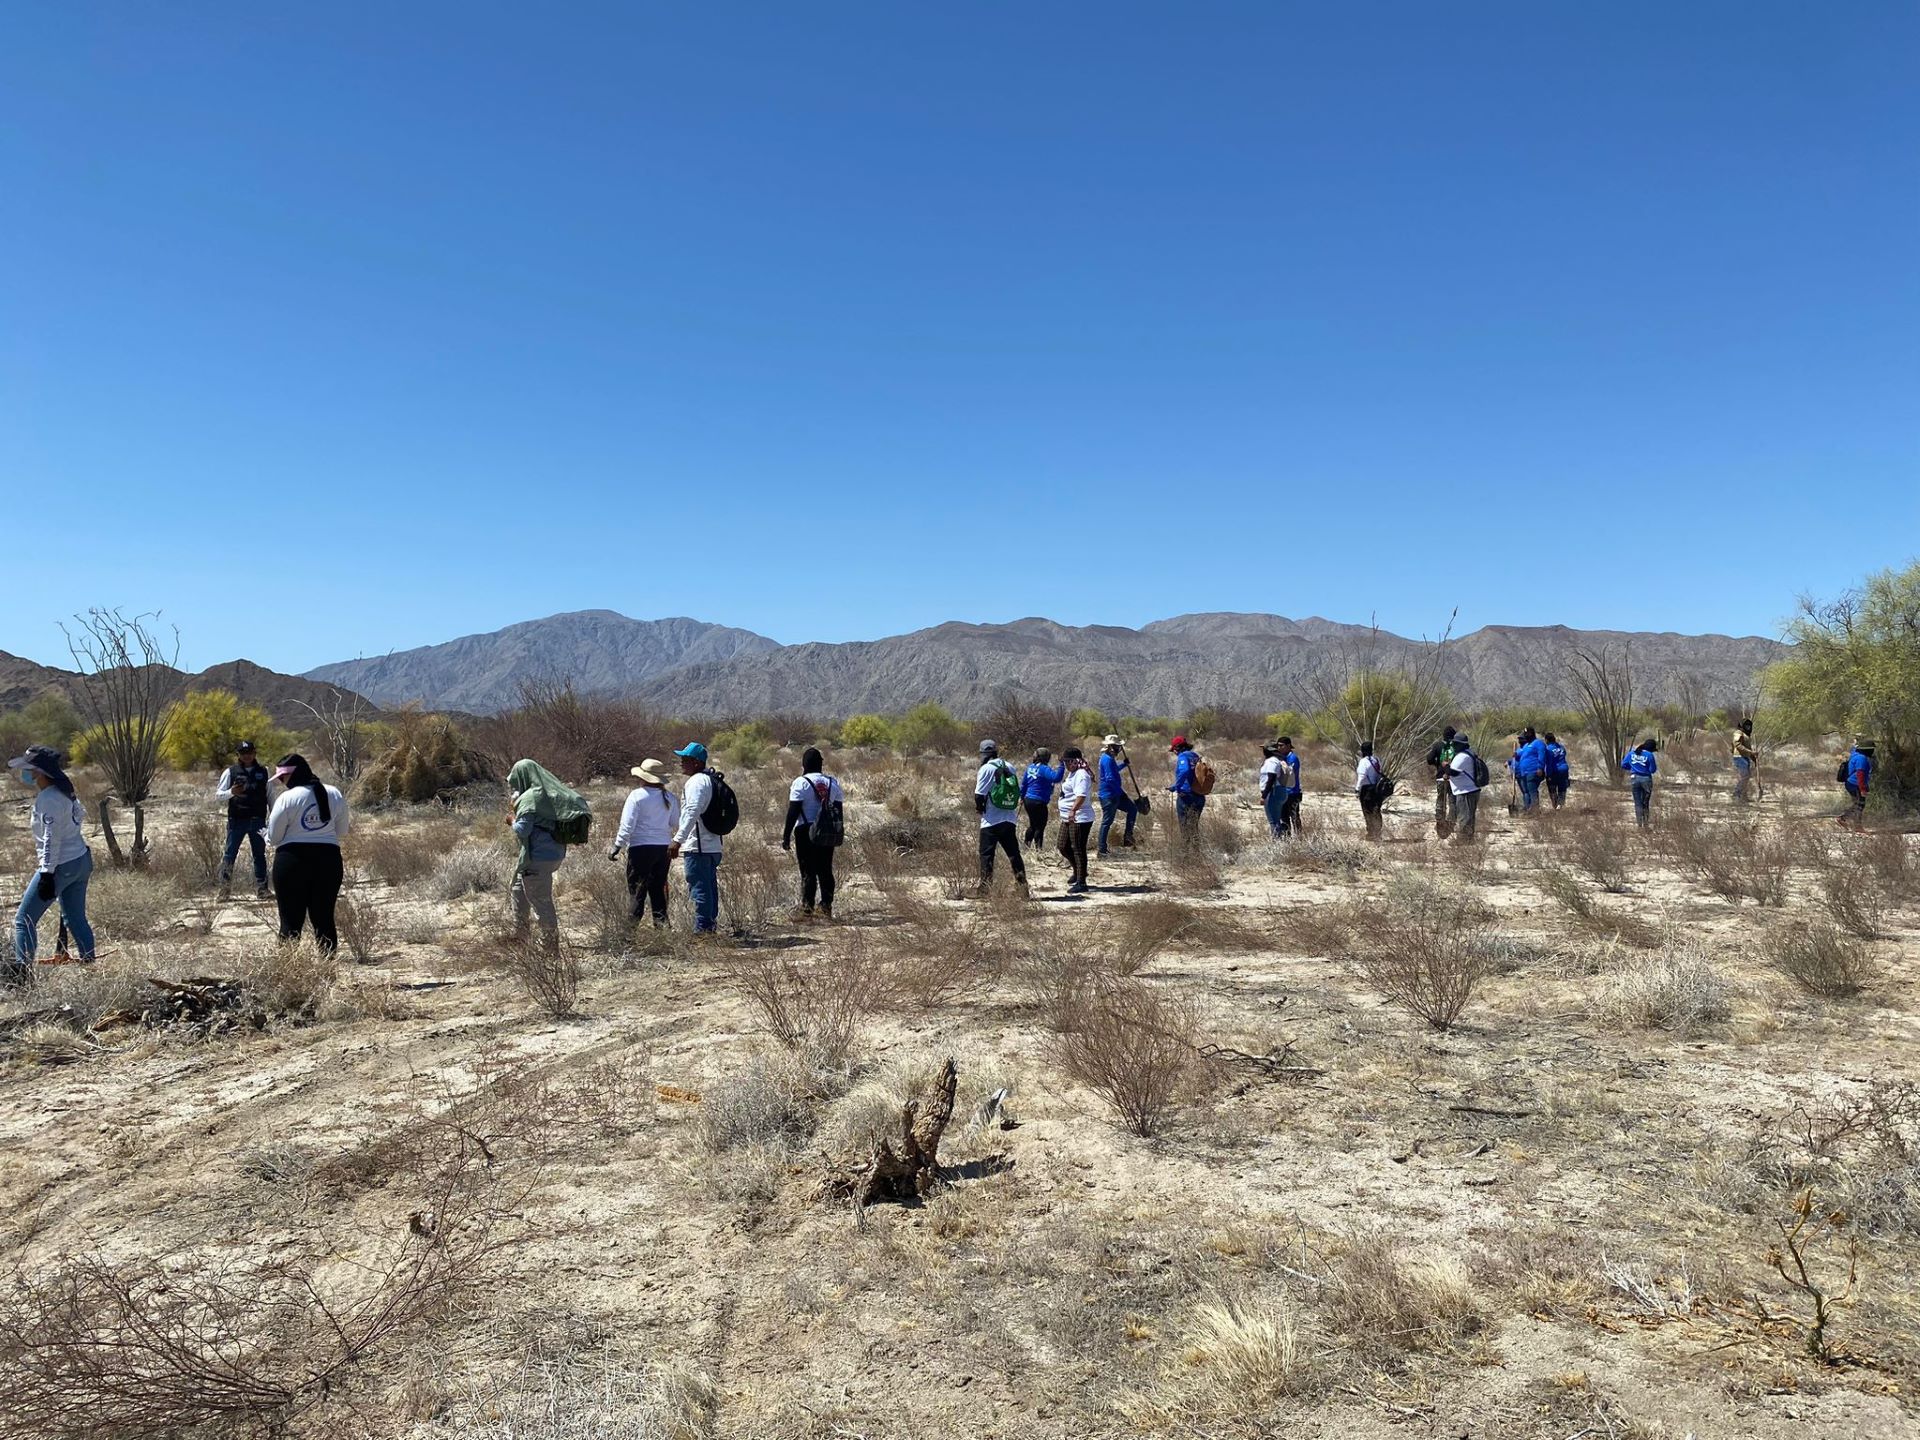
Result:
pixel 928 727
pixel 1084 722
pixel 1292 724
pixel 745 745
pixel 1855 669
pixel 866 732
pixel 200 730
pixel 47 719
pixel 1374 704
pixel 85 747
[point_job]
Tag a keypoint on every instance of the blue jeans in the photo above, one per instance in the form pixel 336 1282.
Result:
pixel 1186 810
pixel 1275 804
pixel 1742 773
pixel 70 889
pixel 1642 800
pixel 1529 791
pixel 703 885
pixel 250 831
pixel 1109 804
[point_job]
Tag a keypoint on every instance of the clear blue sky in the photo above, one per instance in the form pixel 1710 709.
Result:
pixel 336 328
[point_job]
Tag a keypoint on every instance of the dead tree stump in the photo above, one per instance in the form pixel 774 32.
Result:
pixel 909 1172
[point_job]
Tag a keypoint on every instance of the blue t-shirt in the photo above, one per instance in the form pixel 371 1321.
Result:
pixel 1291 762
pixel 1039 781
pixel 1859 769
pixel 1183 772
pixel 1641 763
pixel 1556 759
pixel 1111 787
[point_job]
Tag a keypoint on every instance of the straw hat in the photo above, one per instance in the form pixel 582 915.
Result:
pixel 649 772
pixel 1112 740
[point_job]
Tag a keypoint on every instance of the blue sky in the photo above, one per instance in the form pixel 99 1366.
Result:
pixel 335 329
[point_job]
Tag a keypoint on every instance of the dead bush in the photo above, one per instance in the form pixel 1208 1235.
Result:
pixel 78 995
pixel 1134 1048
pixel 1388 1301
pixel 1587 914
pixel 1855 907
pixel 1419 951
pixel 1887 856
pixel 1598 851
pixel 548 973
pixel 815 1009
pixel 757 891
pixel 361 924
pixel 766 1104
pixel 292 978
pixel 399 856
pixel 124 907
pixel 1678 989
pixel 470 869
pixel 1823 961
pixel 598 891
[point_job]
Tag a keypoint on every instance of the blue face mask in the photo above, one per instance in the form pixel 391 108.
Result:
pixel 26 775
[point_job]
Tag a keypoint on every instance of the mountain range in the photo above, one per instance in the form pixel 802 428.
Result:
pixel 283 697
pixel 1169 667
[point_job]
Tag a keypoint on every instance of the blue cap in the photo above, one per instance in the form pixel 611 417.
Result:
pixel 694 751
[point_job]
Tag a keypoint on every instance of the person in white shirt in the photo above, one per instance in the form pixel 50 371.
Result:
pixel 62 862
pixel 997 813
pixel 1461 771
pixel 243 789
pixel 1076 817
pixel 1273 790
pixel 647 823
pixel 699 848
pixel 305 828
pixel 813 793
pixel 1369 779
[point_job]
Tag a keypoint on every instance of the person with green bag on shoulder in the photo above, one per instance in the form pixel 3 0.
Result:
pixel 547 817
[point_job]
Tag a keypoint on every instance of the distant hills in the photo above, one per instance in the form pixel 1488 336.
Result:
pixel 1170 667
pixel 21 680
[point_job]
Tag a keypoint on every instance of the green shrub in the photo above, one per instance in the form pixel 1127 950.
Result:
pixel 745 745
pixel 866 732
pixel 928 727
pixel 1085 721
pixel 199 731
pixel 1292 724
pixel 47 719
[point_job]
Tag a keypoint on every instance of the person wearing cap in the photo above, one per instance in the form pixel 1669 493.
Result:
pixel 812 792
pixel 1188 803
pixel 243 785
pixel 305 827
pixel 1463 781
pixel 647 822
pixel 1858 774
pixel 1036 795
pixel 1369 779
pixel 996 821
pixel 62 861
pixel 1745 759
pixel 1289 772
pixel 1112 792
pixel 699 849
pixel 1273 788
pixel 1640 763
pixel 1440 761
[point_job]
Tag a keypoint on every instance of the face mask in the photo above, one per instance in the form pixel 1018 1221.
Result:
pixel 26 776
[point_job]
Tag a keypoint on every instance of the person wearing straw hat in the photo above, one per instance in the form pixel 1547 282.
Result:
pixel 1112 792
pixel 646 830
pixel 63 862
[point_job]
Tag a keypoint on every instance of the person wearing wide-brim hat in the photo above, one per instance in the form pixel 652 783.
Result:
pixel 62 861
pixel 646 828
pixel 1856 773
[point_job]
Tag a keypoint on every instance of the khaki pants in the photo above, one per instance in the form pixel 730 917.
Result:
pixel 1445 809
pixel 533 888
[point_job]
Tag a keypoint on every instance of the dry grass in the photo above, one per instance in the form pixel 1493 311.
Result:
pixel 470 869
pixel 362 924
pixel 1823 961
pixel 815 1009
pixel 1679 989
pixel 1388 1302
pixel 1563 887
pixel 293 978
pixel 400 855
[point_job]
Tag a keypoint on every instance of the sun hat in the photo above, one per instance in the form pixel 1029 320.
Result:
pixel 1113 740
pixel 649 772
pixel 693 750
pixel 43 758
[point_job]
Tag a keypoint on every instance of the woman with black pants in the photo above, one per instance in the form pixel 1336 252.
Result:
pixel 305 827
pixel 811 793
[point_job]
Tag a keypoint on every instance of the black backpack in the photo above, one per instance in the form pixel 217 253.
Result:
pixel 829 827
pixel 1481 775
pixel 722 811
pixel 1841 774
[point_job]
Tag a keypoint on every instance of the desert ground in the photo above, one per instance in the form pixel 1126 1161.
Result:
pixel 1648 1164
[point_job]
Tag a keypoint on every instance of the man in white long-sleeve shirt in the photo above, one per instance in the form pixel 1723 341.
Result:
pixel 698 847
pixel 243 786
pixel 647 823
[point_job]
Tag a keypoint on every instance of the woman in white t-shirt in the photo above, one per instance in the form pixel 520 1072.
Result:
pixel 814 794
pixel 1076 817
pixel 305 827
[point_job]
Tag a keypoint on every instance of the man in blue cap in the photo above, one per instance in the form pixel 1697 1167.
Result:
pixel 698 847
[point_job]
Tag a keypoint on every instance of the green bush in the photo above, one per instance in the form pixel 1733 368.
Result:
pixel 745 745
pixel 866 732
pixel 928 727
pixel 1292 724
pixel 1085 721
pixel 83 750
pixel 200 730
pixel 47 719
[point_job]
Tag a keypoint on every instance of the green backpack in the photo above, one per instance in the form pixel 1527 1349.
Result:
pixel 1004 791
pixel 573 829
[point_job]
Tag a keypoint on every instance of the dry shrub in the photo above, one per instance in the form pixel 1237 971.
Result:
pixel 602 1396
pixel 547 972
pixel 766 1104
pixel 1687 839
pixel 755 897
pixel 815 1009
pixel 399 856
pixel 1133 1047
pixel 361 924
pixel 123 906
pixel 243 1343
pixel 1678 989
pixel 599 888
pixel 1321 851
pixel 1886 855
pixel 1190 870
pixel 1823 961
pixel 1855 907
pixel 1564 887
pixel 78 995
pixel 1317 929
pixel 1141 929
pixel 470 869
pixel 292 978
pixel 1418 950
pixel 190 857
pixel 1750 862
pixel 1388 1301
pixel 1597 851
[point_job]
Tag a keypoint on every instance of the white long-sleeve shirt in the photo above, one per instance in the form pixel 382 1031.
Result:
pixel 295 818
pixel 648 817
pixel 690 831
pixel 56 829
pixel 1366 773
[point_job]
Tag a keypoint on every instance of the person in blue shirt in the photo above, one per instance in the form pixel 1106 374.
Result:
pixel 1036 791
pixel 1530 767
pixel 1859 775
pixel 1558 771
pixel 1112 793
pixel 1290 772
pixel 1187 801
pixel 1639 762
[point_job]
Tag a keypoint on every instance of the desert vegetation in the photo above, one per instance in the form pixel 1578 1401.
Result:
pixel 1579 1130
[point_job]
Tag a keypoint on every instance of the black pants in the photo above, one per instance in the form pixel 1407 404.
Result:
pixel 1370 803
pixel 1002 836
pixel 1073 847
pixel 306 884
pixel 816 870
pixel 647 881
pixel 1557 790
pixel 1037 811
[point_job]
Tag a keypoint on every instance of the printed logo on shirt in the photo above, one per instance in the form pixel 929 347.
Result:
pixel 310 817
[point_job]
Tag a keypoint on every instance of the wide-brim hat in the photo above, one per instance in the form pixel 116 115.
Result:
pixel 649 772
pixel 1113 740
pixel 41 758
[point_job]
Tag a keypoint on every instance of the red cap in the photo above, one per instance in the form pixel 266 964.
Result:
pixel 1176 742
